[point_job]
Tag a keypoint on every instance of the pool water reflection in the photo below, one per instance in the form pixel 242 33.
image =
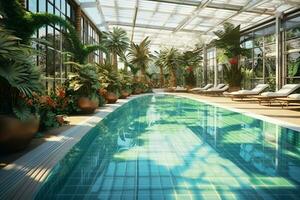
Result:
pixel 165 147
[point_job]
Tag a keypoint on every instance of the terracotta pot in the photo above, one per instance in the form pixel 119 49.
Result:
pixel 87 105
pixel 138 91
pixel 15 134
pixel 111 97
pixel 124 94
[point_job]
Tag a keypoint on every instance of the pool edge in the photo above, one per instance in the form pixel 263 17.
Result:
pixel 22 178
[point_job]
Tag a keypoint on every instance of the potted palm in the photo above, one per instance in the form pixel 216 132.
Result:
pixel 125 84
pixel 140 56
pixel 84 85
pixel 19 80
pixel 229 42
pixel 172 60
pixel 109 81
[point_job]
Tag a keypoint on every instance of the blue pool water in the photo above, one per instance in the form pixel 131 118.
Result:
pixel 166 147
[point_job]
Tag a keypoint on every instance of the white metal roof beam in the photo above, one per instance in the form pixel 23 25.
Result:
pixel 134 18
pixel 249 5
pixel 222 6
pixel 194 14
pixel 149 27
pixel 95 4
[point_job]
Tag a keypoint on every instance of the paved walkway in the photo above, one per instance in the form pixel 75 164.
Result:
pixel 289 114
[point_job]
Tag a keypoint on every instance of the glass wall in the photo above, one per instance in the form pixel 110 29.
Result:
pixel 49 41
pixel 211 63
pixel 260 67
pixel 292 49
pixel 90 35
pixel 51 45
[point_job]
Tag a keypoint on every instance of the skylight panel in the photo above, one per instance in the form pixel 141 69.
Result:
pixel 129 13
pixel 166 7
pixel 110 3
pixel 186 10
pixel 126 4
pixel 145 15
pixel 147 5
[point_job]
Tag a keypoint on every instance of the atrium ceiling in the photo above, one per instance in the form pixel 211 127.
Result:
pixel 180 23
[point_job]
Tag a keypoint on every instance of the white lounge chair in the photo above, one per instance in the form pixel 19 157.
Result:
pixel 197 89
pixel 219 86
pixel 180 89
pixel 293 98
pixel 247 93
pixel 216 90
pixel 285 91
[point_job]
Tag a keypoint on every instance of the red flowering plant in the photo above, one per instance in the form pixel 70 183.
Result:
pixel 51 108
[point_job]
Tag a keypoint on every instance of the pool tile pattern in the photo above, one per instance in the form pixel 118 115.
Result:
pixel 165 147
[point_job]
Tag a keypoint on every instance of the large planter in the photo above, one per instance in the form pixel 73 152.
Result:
pixel 111 97
pixel 137 91
pixel 15 134
pixel 87 105
pixel 124 94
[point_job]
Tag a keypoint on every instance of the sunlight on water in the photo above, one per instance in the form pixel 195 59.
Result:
pixel 162 147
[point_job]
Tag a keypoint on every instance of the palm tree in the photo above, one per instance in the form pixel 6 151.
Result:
pixel 116 42
pixel 229 41
pixel 160 64
pixel 171 59
pixel 140 56
pixel 80 51
pixel 24 24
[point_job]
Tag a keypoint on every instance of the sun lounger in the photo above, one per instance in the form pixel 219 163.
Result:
pixel 201 89
pixel 216 91
pixel 285 91
pixel 219 86
pixel 293 98
pixel 180 89
pixel 241 94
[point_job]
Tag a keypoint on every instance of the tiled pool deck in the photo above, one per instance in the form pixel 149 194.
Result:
pixel 21 178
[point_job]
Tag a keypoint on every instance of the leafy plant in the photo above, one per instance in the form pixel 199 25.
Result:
pixel 84 82
pixel 116 42
pixel 229 41
pixel 140 56
pixel 171 59
pixel 19 77
pixel 160 64
pixel 25 24
pixel 108 78
pixel 125 81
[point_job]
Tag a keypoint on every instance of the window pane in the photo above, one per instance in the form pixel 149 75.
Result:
pixel 42 6
pixel 32 4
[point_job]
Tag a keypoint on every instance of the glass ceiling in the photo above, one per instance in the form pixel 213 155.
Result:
pixel 179 23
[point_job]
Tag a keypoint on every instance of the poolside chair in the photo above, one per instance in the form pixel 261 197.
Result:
pixel 180 89
pixel 285 91
pixel 241 94
pixel 219 86
pixel 216 91
pixel 198 89
pixel 293 98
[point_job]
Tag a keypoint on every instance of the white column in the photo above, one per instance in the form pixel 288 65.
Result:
pixel 205 64
pixel 279 52
pixel 215 68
